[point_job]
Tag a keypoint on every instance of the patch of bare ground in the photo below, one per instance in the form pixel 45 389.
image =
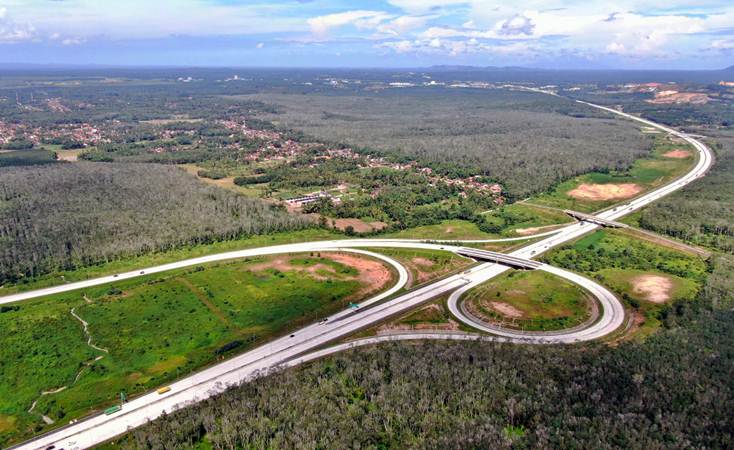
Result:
pixel 68 155
pixel 506 309
pixel 533 230
pixel 425 262
pixel 653 288
pixel 358 225
pixel 675 97
pixel 373 275
pixel 677 154
pixel 609 191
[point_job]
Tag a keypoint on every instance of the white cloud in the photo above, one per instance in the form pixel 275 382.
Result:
pixel 260 45
pixel 403 24
pixel 73 41
pixel 11 31
pixel 321 25
pixel 723 44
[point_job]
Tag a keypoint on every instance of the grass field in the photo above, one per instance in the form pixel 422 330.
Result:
pixel 647 276
pixel 150 330
pixel 154 259
pixel 513 220
pixel 644 175
pixel 532 300
pixel 447 229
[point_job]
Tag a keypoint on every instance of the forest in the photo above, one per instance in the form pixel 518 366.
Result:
pixel 527 142
pixel 438 395
pixel 63 216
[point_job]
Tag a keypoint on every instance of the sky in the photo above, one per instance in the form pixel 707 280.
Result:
pixel 597 34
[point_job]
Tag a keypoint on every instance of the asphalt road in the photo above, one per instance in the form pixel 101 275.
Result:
pixel 309 342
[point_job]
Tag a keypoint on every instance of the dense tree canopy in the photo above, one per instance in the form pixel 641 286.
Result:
pixel 62 216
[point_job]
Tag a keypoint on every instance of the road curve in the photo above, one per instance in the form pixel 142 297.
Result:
pixel 612 313
pixel 571 232
pixel 310 339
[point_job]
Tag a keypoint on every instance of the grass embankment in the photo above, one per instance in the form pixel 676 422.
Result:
pixel 533 301
pixel 155 259
pixel 158 327
pixel 426 265
pixel 646 275
pixel 594 191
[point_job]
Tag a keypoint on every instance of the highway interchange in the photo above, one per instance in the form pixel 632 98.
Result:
pixel 312 341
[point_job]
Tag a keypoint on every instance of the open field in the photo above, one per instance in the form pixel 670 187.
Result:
pixel 147 331
pixel 158 258
pixel 517 219
pixel 532 300
pixel 647 275
pixel 425 265
pixel 597 190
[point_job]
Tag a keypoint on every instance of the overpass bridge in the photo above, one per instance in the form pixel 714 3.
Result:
pixel 500 258
pixel 594 219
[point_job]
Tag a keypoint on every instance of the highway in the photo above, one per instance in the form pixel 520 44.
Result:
pixel 310 342
pixel 571 232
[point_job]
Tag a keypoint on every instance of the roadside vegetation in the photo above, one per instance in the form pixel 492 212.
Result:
pixel 648 276
pixel 147 331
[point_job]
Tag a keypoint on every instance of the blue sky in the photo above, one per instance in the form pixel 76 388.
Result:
pixel 386 33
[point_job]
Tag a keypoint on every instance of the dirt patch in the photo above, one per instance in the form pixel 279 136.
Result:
pixel 7 423
pixel 653 288
pixel 533 230
pixel 425 262
pixel 373 274
pixel 677 154
pixel 283 264
pixel 609 191
pixel 68 155
pixel 358 225
pixel 675 97
pixel 506 309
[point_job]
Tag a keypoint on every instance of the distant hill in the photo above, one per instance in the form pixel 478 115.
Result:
pixel 729 69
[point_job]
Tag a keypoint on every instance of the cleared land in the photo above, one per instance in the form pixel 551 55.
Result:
pixel 532 300
pixel 597 190
pixel 425 265
pixel 147 331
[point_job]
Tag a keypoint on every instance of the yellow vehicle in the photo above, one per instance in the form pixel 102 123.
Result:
pixel 163 390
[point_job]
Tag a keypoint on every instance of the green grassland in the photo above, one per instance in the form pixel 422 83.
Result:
pixel 158 258
pixel 448 229
pixel 649 173
pixel 503 222
pixel 545 302
pixel 615 259
pixel 154 328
